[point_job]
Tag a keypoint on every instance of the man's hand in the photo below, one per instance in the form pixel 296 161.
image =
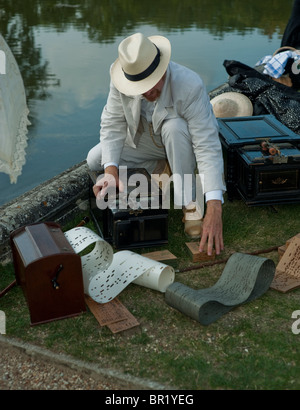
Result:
pixel 212 232
pixel 110 180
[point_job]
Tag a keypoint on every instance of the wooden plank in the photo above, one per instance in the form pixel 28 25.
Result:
pixel 163 256
pixel 197 256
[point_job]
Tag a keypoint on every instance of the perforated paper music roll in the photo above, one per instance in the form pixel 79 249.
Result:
pixel 106 275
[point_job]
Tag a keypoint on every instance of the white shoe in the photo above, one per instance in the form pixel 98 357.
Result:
pixel 193 221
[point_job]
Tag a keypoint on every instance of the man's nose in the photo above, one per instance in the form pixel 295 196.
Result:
pixel 149 92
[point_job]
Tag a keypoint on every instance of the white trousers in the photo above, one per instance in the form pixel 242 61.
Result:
pixel 174 143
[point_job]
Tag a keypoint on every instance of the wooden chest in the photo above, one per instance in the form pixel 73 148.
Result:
pixel 125 227
pixel 49 272
pixel 262 160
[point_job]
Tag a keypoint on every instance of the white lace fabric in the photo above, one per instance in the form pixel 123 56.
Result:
pixel 13 115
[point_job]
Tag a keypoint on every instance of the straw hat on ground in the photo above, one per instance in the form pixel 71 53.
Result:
pixel 141 64
pixel 232 104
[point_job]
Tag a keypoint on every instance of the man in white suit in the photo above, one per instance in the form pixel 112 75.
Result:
pixel 158 110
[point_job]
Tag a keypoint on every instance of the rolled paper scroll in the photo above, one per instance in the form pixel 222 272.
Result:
pixel 106 275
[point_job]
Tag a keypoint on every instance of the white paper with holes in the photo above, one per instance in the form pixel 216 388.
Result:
pixel 106 274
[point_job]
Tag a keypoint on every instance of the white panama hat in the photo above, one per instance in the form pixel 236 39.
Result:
pixel 141 64
pixel 232 104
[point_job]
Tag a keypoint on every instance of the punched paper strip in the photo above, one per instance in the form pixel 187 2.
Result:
pixel 106 274
pixel 113 314
pixel 245 278
pixel 287 274
pixel 107 313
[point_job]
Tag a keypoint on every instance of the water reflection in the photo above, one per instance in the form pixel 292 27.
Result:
pixel 64 49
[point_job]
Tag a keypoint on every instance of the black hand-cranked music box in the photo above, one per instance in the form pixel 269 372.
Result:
pixel 125 226
pixel 48 271
pixel 262 160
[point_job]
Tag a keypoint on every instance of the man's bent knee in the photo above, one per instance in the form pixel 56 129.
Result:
pixel 173 127
pixel 94 158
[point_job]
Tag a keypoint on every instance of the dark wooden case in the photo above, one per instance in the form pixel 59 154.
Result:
pixel 131 228
pixel 262 160
pixel 49 272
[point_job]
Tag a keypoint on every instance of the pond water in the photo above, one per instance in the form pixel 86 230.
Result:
pixel 65 48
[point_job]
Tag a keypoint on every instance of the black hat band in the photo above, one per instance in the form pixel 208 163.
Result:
pixel 152 67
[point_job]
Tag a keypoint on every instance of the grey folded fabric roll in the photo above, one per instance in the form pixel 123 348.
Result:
pixel 244 278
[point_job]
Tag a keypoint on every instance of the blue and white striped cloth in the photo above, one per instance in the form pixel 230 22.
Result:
pixel 275 65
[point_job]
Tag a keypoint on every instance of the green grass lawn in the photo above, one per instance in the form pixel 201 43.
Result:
pixel 251 347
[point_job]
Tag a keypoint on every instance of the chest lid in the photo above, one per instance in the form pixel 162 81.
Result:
pixel 238 131
pixel 40 240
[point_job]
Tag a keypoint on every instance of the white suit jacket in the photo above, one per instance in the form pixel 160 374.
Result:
pixel 183 95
